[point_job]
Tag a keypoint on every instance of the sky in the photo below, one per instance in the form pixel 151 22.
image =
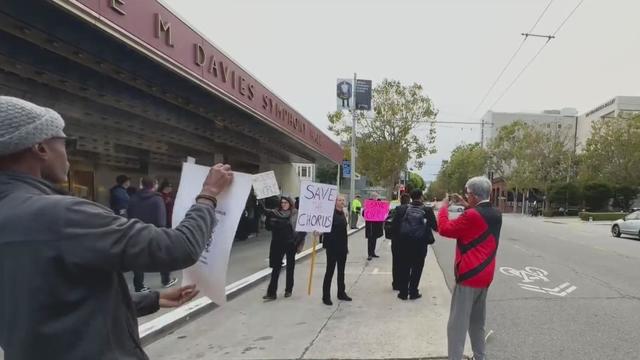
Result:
pixel 454 48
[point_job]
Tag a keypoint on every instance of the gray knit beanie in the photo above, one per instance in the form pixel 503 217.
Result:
pixel 23 124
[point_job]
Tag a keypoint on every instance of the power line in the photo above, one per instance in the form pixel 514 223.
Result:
pixel 519 74
pixel 486 95
pixel 537 53
pixel 567 18
pixel 541 15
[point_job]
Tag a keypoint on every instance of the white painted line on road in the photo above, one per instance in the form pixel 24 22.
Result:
pixel 488 334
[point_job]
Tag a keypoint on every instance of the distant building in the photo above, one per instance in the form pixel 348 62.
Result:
pixel 609 109
pixel 565 119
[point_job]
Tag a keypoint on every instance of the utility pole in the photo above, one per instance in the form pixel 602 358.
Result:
pixel 482 134
pixel 352 194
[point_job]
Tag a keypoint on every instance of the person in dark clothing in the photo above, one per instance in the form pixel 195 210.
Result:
pixel 284 242
pixel 148 206
pixel 119 199
pixel 166 191
pixel 373 231
pixel 62 257
pixel 396 258
pixel 336 247
pixel 414 224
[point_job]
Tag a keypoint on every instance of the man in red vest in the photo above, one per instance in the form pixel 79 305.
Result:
pixel 477 232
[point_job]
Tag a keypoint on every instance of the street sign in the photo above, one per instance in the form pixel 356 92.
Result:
pixel 363 95
pixel 346 168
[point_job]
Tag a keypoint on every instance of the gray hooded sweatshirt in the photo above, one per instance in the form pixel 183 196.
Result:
pixel 62 293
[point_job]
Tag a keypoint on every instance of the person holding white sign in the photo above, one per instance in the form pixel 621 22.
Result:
pixel 336 246
pixel 64 295
pixel 285 241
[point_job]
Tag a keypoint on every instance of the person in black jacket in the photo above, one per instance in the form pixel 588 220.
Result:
pixel 413 239
pixel 119 196
pixel 396 257
pixel 336 247
pixel 285 241
pixel 373 231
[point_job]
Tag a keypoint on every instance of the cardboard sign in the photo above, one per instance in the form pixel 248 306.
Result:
pixel 265 185
pixel 375 210
pixel 210 272
pixel 317 203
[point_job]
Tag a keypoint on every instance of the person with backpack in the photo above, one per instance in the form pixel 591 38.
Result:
pixel 285 241
pixel 414 224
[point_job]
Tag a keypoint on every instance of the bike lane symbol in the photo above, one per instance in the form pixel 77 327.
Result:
pixel 532 274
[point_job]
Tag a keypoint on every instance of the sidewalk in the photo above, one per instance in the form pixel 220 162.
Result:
pixel 376 325
pixel 247 257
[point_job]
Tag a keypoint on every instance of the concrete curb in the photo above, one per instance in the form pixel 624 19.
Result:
pixel 169 322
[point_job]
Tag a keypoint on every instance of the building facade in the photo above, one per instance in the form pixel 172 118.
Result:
pixel 610 109
pixel 557 120
pixel 141 90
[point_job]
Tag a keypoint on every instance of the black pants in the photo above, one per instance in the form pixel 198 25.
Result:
pixel 395 261
pixel 138 279
pixel 354 220
pixel 372 241
pixel 410 268
pixel 332 260
pixel 275 273
pixel 165 277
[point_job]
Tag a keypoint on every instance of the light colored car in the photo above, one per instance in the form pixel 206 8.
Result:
pixel 629 225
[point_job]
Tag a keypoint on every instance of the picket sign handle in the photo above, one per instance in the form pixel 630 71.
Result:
pixel 313 261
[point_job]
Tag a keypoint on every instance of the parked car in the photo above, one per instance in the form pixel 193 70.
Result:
pixel 629 225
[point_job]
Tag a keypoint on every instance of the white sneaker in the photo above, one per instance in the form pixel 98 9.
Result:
pixel 170 283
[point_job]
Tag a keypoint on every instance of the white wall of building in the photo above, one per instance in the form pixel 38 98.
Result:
pixel 564 120
pixel 289 176
pixel 610 108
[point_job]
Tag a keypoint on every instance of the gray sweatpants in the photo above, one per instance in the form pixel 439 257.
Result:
pixel 468 312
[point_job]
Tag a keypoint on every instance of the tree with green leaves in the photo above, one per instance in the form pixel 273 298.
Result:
pixel 530 157
pixel 415 182
pixel 466 161
pixel 388 139
pixel 611 153
pixel 327 174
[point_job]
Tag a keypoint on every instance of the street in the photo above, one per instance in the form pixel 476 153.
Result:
pixel 582 301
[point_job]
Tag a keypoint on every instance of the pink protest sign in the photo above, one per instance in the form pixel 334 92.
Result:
pixel 375 210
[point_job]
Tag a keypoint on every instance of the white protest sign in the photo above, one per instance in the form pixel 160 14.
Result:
pixel 210 272
pixel 317 203
pixel 265 185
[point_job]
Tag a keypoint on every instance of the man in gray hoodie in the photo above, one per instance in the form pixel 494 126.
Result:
pixel 62 293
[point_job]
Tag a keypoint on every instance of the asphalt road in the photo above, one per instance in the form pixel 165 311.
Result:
pixel 586 304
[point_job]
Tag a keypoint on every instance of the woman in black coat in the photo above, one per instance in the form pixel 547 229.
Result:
pixel 284 242
pixel 335 244
pixel 373 231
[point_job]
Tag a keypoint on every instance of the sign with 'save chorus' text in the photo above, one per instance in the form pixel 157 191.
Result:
pixel 317 203
pixel 375 210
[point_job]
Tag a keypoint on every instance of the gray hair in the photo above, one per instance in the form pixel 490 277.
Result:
pixel 480 186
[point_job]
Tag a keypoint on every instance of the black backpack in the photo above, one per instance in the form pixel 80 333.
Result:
pixel 414 225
